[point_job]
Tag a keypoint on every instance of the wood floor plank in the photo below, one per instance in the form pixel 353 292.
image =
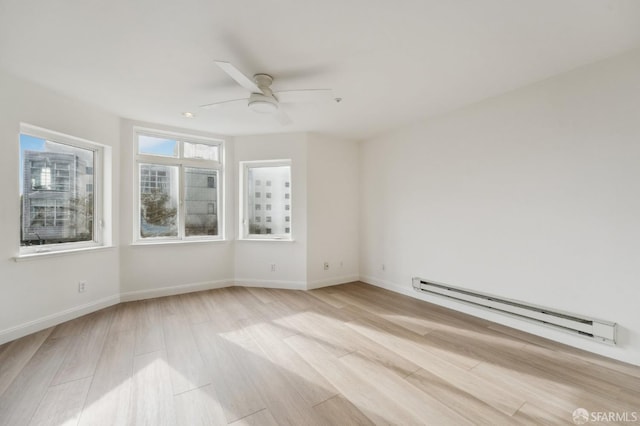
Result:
pixel 261 418
pixel 62 404
pixel 313 387
pixel 226 301
pixel 230 372
pixel 411 323
pixel 340 411
pixel 536 389
pixel 465 404
pixel 76 326
pixel 369 400
pixel 149 331
pixel 187 367
pixel 85 349
pixel 195 309
pixel 435 316
pixel 152 397
pixel 460 359
pixel 109 398
pixel 327 297
pixel 15 355
pixel 402 392
pixel 169 305
pixel 124 317
pixel 629 385
pixel 199 407
pixel 532 415
pixel 261 294
pixel 21 399
pixel 284 402
pixel 482 389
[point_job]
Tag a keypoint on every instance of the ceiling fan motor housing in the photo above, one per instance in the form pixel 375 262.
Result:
pixel 263 102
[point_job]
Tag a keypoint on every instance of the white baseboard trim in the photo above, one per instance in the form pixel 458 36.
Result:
pixel 286 285
pixel 131 296
pixel 332 281
pixel 388 285
pixel 42 323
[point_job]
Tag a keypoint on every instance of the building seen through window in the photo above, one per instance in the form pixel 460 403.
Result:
pixel 56 192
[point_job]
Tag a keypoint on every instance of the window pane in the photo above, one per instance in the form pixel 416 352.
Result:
pixel 152 145
pixel 201 151
pixel 201 199
pixel 272 219
pixel 56 192
pixel 158 201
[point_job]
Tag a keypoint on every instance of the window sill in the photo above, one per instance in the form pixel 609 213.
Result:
pixel 272 240
pixel 56 253
pixel 174 242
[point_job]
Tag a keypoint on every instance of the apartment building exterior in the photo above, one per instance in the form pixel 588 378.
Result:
pixel 57 198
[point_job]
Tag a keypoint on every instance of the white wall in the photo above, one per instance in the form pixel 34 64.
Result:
pixel 533 195
pixel 37 293
pixel 253 259
pixel 161 269
pixel 332 206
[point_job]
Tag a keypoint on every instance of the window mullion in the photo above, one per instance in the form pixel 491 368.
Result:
pixel 181 210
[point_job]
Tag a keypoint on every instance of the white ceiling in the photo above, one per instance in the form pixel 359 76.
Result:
pixel 392 62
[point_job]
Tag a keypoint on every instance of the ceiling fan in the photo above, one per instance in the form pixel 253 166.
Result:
pixel 263 100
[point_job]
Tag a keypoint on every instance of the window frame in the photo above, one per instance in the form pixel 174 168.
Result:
pixel 100 158
pixel 243 209
pixel 182 163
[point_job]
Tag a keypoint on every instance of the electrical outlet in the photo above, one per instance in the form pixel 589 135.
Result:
pixel 326 266
pixel 82 286
pixel 273 267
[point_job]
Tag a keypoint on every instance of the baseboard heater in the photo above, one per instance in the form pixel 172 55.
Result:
pixel 602 331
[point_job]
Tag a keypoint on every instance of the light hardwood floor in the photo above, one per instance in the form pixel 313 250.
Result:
pixel 349 354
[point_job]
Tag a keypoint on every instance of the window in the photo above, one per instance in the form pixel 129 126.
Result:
pixel 211 181
pixel 287 207
pixel 287 196
pixel 287 218
pixel 287 184
pixel 177 185
pixel 273 174
pixel 257 195
pixel 60 189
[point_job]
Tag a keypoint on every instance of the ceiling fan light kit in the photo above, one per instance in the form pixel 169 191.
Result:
pixel 262 104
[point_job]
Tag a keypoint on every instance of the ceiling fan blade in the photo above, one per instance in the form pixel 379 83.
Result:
pixel 239 77
pixel 282 117
pixel 311 95
pixel 216 104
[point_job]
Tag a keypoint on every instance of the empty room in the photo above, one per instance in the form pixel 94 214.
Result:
pixel 279 212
